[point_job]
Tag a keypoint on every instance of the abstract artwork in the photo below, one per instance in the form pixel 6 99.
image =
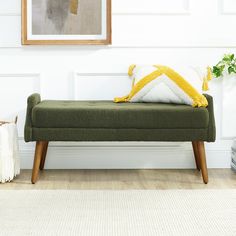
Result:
pixel 66 22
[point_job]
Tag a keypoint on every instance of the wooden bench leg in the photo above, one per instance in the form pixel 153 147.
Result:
pixel 202 161
pixel 196 155
pixel 45 148
pixel 37 159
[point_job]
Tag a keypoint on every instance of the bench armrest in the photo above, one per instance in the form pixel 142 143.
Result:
pixel 32 101
pixel 211 127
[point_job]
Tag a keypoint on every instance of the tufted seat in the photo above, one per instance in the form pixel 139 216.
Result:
pixel 106 114
pixel 52 120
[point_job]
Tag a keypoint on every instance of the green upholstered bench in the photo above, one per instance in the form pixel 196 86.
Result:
pixel 54 120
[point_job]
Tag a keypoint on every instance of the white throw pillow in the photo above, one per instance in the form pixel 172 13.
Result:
pixel 158 83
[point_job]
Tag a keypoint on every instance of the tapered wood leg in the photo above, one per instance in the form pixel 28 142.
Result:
pixel 202 161
pixel 45 148
pixel 37 160
pixel 196 155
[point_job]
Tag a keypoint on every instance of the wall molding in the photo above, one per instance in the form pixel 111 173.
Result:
pixel 116 144
pixel 224 93
pixel 125 157
pixel 25 75
pixel 80 76
pixel 185 5
pixel 99 74
pixel 223 10
pixel 171 46
pixel 110 47
pixel 140 13
pixel 10 7
pixel 10 14
pixel 183 12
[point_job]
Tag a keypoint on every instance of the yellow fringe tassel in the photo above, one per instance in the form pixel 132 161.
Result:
pixel 131 68
pixel 200 101
pixel 121 99
pixel 205 86
pixel 206 79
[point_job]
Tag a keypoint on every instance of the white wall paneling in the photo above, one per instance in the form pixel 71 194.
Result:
pixel 100 86
pixel 228 107
pixel 151 31
pixel 185 32
pixel 155 7
pixel 94 79
pixel 10 7
pixel 14 90
pixel 10 27
pixel 132 156
pixel 173 31
pixel 227 7
pixel 153 23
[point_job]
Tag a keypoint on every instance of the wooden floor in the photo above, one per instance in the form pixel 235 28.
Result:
pixel 124 179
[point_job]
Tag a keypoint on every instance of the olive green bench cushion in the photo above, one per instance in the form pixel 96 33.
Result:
pixel 107 114
pixel 107 121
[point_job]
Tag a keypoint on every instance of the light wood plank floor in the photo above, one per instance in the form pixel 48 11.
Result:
pixel 124 179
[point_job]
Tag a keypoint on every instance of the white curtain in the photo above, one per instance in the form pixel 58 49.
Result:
pixel 9 152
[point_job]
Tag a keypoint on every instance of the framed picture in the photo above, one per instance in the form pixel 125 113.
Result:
pixel 66 22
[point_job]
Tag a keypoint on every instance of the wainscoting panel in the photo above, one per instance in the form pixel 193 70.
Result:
pixel 128 156
pixel 10 7
pixel 228 7
pixel 10 27
pixel 15 89
pixel 156 7
pixel 228 107
pixel 100 86
pixel 172 32
pixel 153 23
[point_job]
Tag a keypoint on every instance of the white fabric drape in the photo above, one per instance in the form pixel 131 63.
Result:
pixel 9 152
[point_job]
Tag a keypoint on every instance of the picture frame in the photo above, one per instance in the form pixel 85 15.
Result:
pixel 66 22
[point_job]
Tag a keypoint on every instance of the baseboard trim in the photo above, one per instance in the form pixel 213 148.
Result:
pixel 124 157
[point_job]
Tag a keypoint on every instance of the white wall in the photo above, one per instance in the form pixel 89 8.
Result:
pixel 188 32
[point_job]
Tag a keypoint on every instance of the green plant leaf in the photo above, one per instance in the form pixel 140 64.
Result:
pixel 222 68
pixel 228 58
pixel 217 72
pixel 230 70
pixel 227 63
